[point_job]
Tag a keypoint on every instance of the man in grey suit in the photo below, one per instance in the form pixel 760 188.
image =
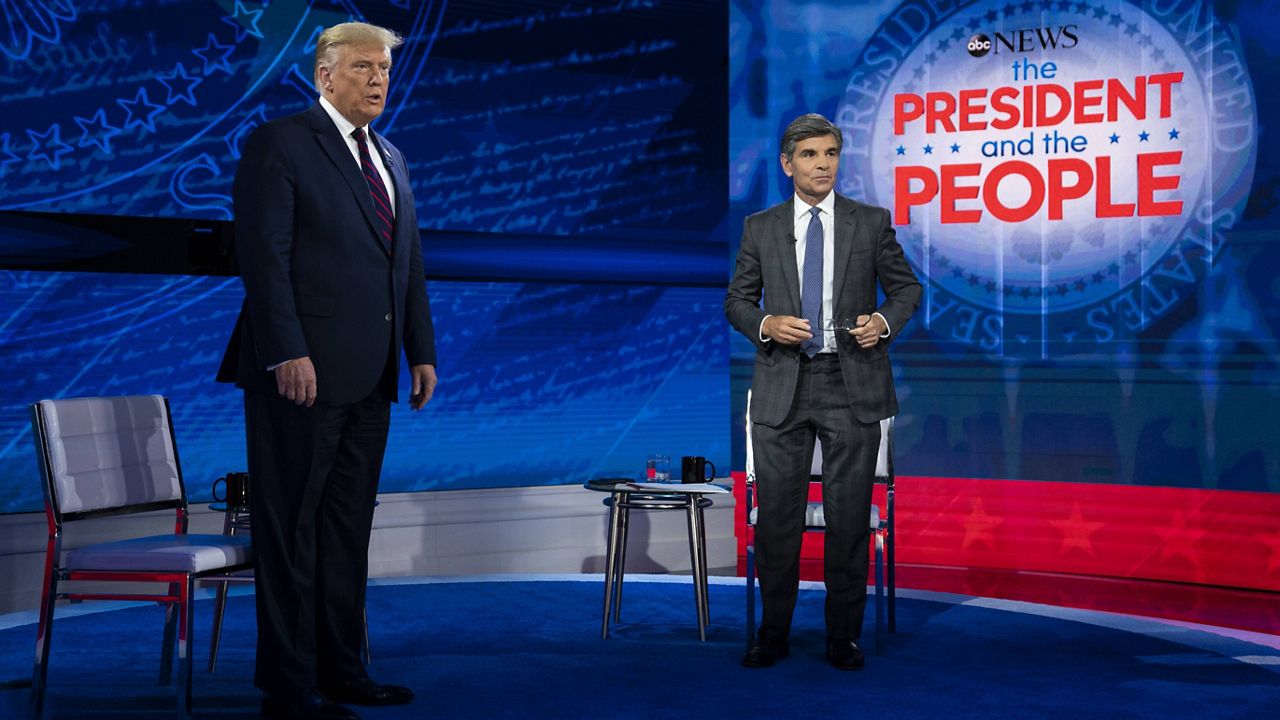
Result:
pixel 822 370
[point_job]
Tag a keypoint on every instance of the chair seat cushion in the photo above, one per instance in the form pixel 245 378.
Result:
pixel 815 519
pixel 163 553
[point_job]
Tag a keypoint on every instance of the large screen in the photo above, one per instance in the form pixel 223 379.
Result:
pixel 1081 190
pixel 540 383
pixel 567 160
pixel 585 119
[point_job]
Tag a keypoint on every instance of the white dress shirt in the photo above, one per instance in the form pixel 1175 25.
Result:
pixel 346 128
pixel 800 232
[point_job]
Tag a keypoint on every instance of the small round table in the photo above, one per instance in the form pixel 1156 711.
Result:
pixel 623 498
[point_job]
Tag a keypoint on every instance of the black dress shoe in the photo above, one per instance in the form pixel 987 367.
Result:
pixel 306 704
pixel 845 655
pixel 364 691
pixel 763 655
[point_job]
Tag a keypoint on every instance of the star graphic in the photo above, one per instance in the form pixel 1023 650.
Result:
pixel 1099 12
pixel 1115 20
pixel 7 156
pixel 214 55
pixel 1076 531
pixel 96 131
pixel 928 149
pixel 1130 29
pixel 1114 138
pixel 245 21
pixel 1179 540
pixel 48 146
pixel 180 85
pixel 141 111
pixel 901 150
pixel 1273 543
pixel 955 148
pixel 978 527
pixel 1142 136
pixel 1173 134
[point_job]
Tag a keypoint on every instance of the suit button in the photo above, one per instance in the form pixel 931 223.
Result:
pixel 387 317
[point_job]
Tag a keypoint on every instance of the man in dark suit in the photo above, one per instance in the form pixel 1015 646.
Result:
pixel 327 242
pixel 822 369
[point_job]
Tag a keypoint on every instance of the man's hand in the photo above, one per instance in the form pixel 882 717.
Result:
pixel 424 385
pixel 296 380
pixel 786 329
pixel 868 331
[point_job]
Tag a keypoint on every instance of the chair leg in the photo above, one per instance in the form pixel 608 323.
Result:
pixel 893 584
pixel 611 552
pixel 879 591
pixel 215 635
pixel 44 633
pixel 170 627
pixel 368 655
pixel 751 594
pixel 186 601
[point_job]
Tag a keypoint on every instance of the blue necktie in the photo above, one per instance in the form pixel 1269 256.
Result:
pixel 811 295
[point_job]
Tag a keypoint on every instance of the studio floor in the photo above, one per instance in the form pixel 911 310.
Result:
pixel 530 646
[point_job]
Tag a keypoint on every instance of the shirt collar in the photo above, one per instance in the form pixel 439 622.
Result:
pixel 344 125
pixel 828 206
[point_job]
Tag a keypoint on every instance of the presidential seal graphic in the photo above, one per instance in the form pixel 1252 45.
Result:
pixel 1060 173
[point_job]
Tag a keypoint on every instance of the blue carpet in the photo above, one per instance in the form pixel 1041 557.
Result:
pixel 517 649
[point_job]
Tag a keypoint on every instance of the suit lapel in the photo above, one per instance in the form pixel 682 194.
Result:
pixel 784 230
pixel 335 146
pixel 844 225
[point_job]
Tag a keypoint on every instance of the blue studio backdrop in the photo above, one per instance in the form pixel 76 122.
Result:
pixel 567 162
pixel 1082 189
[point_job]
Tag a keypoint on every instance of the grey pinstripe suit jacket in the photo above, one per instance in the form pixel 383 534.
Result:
pixel 866 253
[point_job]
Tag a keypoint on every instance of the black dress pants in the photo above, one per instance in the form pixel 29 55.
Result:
pixel 783 456
pixel 315 481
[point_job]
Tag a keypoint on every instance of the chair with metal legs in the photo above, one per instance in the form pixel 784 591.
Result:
pixel 116 456
pixel 881 527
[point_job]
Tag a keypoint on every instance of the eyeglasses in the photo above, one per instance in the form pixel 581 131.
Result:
pixel 845 324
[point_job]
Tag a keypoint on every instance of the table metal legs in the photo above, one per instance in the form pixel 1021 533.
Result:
pixel 611 559
pixel 697 560
pixel 616 558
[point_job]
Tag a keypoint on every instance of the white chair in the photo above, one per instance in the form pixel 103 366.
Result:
pixel 815 521
pixel 115 456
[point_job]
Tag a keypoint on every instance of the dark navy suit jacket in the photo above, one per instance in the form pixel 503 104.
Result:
pixel 318 280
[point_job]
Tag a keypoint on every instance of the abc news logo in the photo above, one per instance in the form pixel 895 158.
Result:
pixel 1062 37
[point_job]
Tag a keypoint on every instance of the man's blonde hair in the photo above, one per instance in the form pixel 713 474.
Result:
pixel 350 34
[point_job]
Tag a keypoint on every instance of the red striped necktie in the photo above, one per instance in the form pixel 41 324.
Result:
pixel 381 201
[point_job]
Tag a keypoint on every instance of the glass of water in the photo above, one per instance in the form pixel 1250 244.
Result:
pixel 657 468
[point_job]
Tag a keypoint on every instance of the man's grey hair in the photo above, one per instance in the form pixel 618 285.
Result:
pixel 333 39
pixel 808 126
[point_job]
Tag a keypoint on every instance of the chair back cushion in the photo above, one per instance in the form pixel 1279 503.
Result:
pixel 109 452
